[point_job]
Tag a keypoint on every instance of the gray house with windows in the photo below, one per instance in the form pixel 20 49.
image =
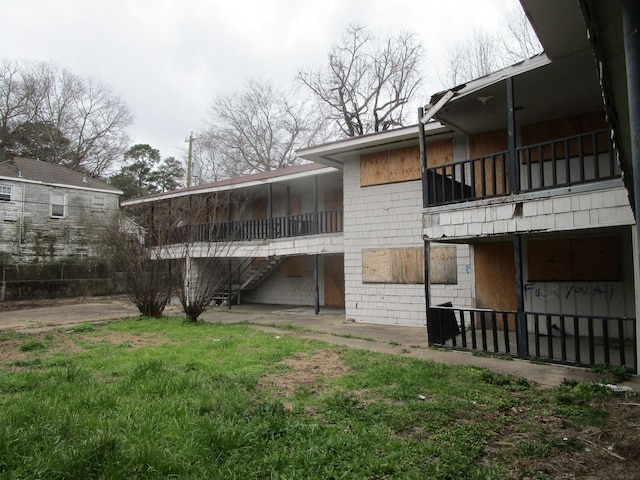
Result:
pixel 49 212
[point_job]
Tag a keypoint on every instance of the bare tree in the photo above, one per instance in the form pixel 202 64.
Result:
pixel 517 37
pixel 59 117
pixel 128 249
pixel 368 82
pixel 254 130
pixel 483 52
pixel 179 247
pixel 205 237
pixel 473 57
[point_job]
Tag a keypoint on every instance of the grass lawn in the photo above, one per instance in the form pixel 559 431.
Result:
pixel 164 398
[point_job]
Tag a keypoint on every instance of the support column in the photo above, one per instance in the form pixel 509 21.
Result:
pixel 522 336
pixel 316 289
pixel 423 160
pixel 230 284
pixel 514 165
pixel 427 281
pixel 270 211
pixel 631 31
pixel 425 203
pixel 315 205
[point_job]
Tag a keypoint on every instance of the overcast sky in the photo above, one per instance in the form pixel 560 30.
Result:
pixel 168 59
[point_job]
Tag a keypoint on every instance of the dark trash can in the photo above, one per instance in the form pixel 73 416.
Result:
pixel 441 325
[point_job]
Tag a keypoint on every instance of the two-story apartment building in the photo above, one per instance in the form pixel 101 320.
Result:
pixel 285 225
pixel 49 211
pixel 521 179
pixel 502 221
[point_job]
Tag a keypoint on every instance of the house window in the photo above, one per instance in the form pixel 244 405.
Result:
pixel 5 193
pixel 97 203
pixel 58 201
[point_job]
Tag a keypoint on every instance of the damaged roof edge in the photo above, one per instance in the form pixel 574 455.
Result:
pixel 478 84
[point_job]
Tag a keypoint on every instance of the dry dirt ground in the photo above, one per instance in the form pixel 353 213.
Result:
pixel 601 453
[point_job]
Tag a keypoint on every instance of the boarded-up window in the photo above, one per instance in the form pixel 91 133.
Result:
pixel 535 133
pixel 440 153
pixel 444 265
pixel 406 265
pixel 294 267
pixel 575 259
pixel 390 166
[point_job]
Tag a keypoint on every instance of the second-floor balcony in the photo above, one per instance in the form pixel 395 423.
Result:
pixel 562 162
pixel 313 223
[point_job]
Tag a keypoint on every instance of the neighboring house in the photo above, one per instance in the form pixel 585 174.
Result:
pixel 509 193
pixel 49 211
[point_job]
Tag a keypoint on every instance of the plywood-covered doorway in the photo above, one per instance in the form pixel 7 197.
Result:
pixel 334 280
pixel 495 277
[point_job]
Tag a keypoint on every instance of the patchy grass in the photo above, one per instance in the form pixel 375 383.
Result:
pixel 165 398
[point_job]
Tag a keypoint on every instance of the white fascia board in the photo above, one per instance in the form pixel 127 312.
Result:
pixel 328 151
pixel 59 185
pixel 227 188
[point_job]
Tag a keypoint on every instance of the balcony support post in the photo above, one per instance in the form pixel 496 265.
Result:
pixel 230 285
pixel 521 319
pixel 423 160
pixel 315 205
pixel 427 282
pixel 514 166
pixel 270 211
pixel 316 290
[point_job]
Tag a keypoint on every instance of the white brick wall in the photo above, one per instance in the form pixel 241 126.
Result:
pixel 390 216
pixel 282 290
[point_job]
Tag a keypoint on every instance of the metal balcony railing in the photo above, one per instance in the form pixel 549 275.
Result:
pixel 562 162
pixel 579 340
pixel 314 223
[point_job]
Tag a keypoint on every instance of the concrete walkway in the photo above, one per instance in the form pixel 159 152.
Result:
pixel 329 326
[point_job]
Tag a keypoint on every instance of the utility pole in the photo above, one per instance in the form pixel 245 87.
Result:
pixel 189 160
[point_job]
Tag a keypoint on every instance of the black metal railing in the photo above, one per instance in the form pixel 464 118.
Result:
pixel 562 162
pixel 579 340
pixel 314 223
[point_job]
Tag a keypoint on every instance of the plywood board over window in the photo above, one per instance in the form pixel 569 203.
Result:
pixel 404 164
pixel 575 259
pixel 440 153
pixel 374 169
pixel 406 265
pixel 295 266
pixel 400 165
pixel 535 133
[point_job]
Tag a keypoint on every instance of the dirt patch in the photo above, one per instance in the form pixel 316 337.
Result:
pixel 565 450
pixel 306 372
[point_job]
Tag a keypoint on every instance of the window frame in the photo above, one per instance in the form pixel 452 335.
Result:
pixel 3 193
pixel 52 197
